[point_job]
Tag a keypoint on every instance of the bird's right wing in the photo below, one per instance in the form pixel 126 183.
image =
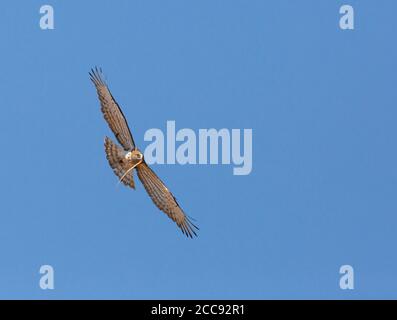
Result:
pixel 164 199
pixel 112 111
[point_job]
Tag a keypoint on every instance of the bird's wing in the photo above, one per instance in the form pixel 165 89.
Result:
pixel 112 111
pixel 164 199
pixel 117 161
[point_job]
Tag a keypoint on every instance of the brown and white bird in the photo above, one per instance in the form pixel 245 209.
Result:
pixel 125 159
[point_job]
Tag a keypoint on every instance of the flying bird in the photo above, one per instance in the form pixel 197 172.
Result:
pixel 126 158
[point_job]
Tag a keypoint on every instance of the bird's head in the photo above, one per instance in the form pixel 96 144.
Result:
pixel 135 156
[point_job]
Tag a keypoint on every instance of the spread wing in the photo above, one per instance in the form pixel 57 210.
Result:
pixel 117 161
pixel 112 111
pixel 164 199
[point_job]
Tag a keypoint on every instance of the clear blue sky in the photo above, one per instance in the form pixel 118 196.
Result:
pixel 322 106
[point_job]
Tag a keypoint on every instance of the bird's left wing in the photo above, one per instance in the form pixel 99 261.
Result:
pixel 112 111
pixel 164 199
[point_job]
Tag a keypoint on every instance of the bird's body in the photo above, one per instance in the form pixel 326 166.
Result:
pixel 128 158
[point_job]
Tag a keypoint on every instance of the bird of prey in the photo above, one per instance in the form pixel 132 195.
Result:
pixel 126 158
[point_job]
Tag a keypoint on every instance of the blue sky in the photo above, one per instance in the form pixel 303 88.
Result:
pixel 322 106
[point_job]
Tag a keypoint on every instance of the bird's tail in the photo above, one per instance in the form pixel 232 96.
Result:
pixel 117 161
